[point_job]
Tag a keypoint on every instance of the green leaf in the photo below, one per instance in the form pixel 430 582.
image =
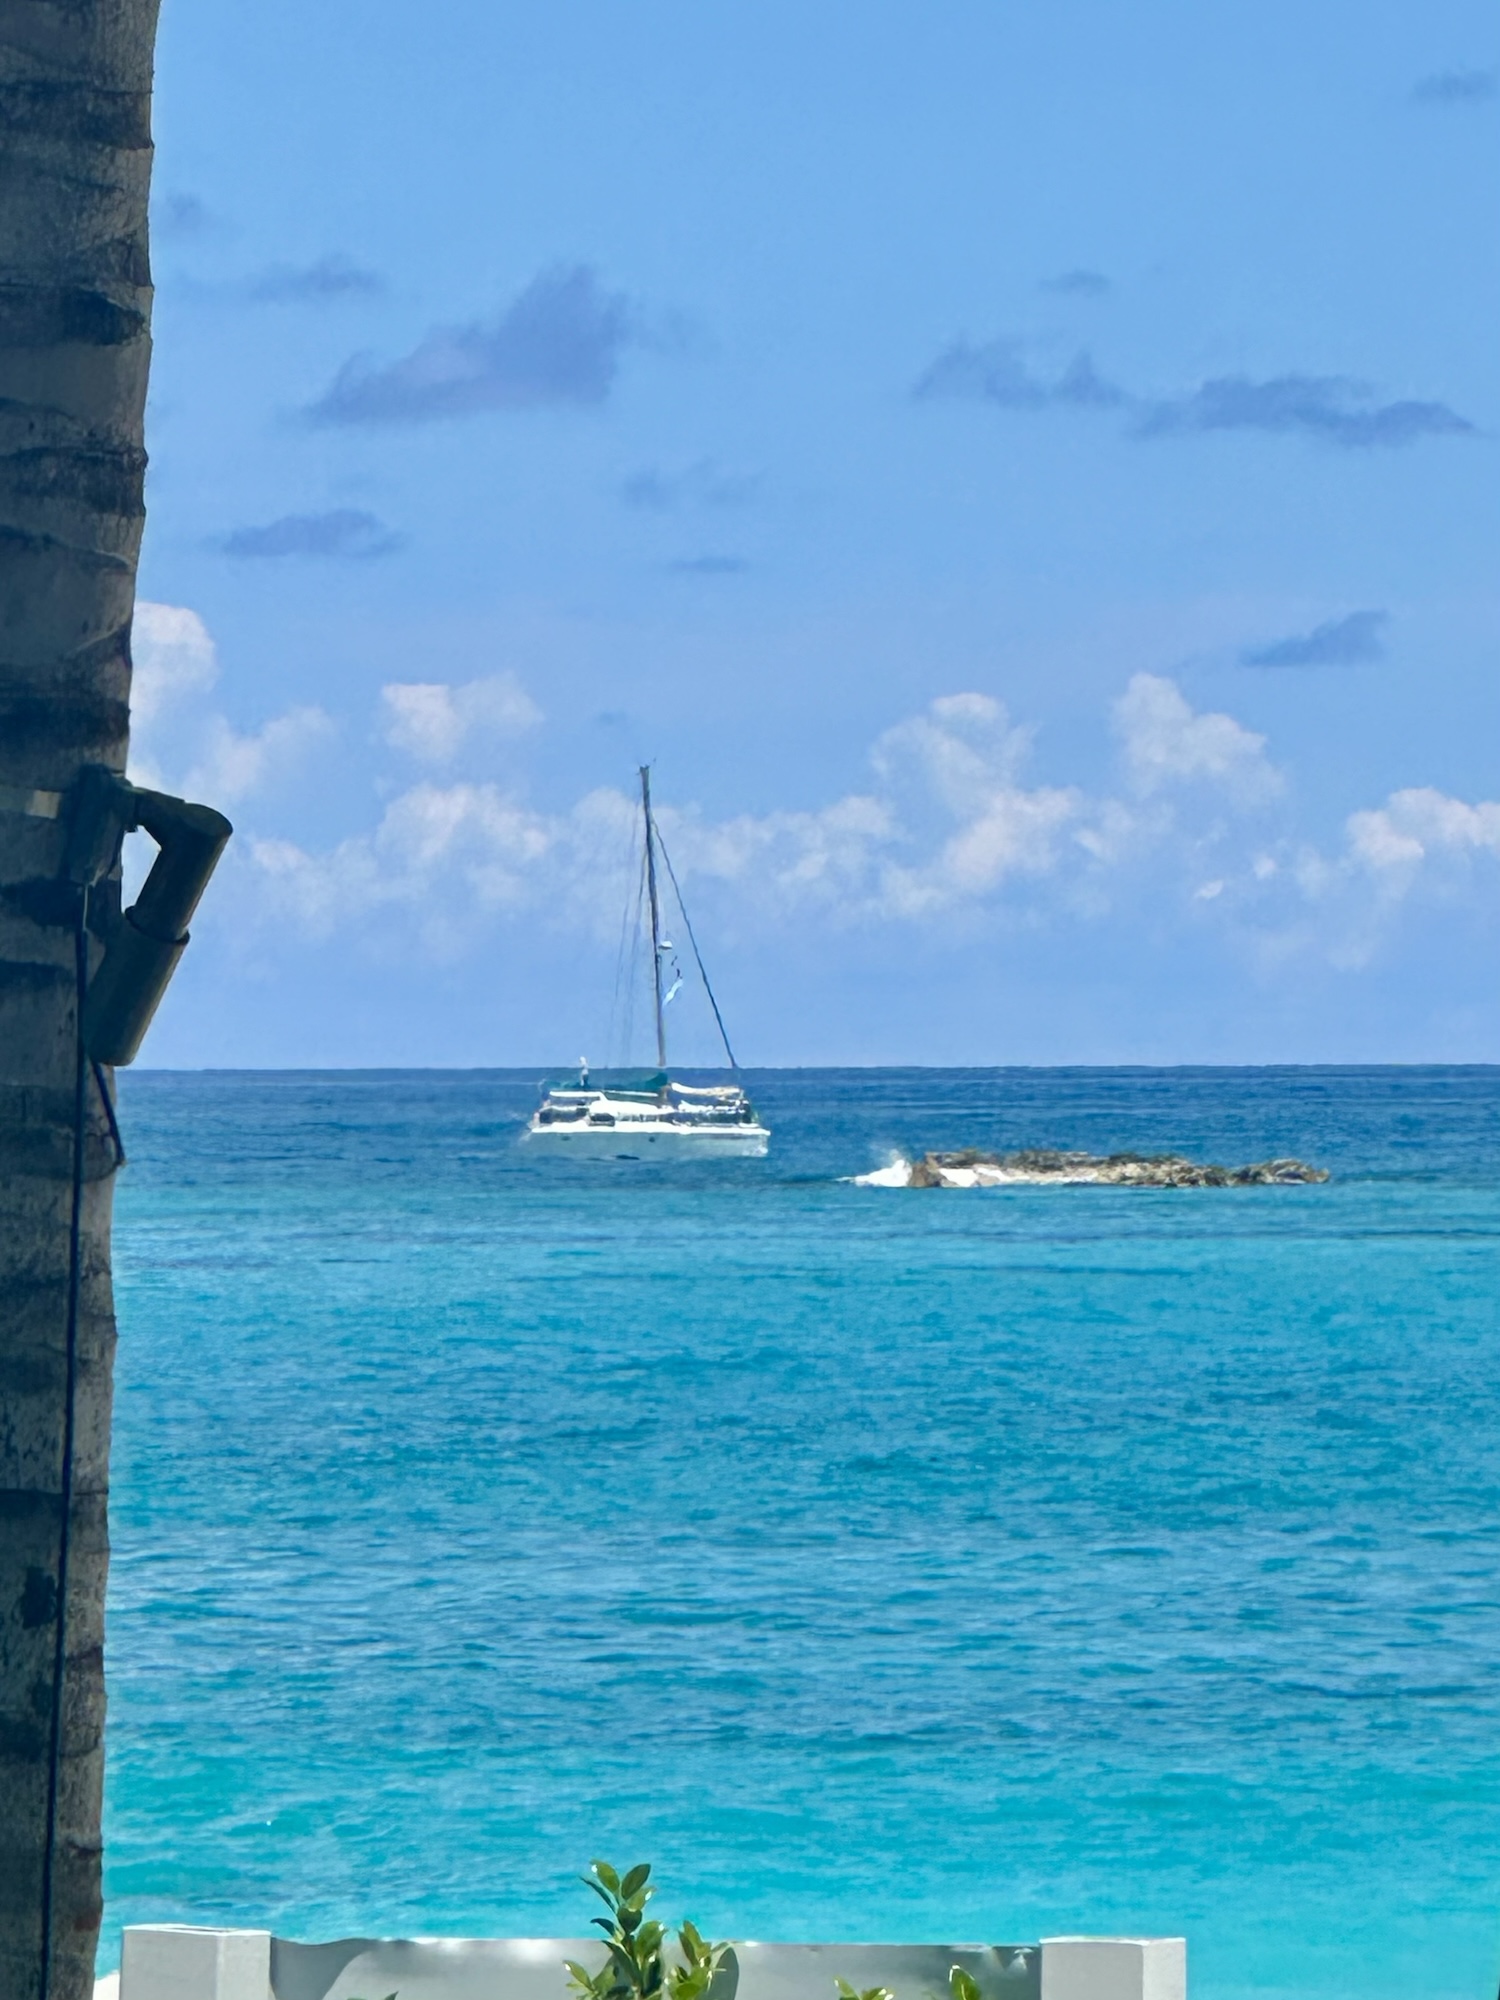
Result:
pixel 963 1984
pixel 607 1876
pixel 636 1879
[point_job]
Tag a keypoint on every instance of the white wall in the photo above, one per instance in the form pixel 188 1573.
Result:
pixel 170 1962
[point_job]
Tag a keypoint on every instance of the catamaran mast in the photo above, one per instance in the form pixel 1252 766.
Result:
pixel 661 1028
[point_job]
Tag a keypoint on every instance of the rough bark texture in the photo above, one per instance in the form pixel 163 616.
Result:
pixel 75 300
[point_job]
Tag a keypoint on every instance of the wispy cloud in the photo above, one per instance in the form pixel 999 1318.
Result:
pixel 1080 284
pixel 702 484
pixel 557 344
pixel 346 532
pixel 331 277
pixel 1457 86
pixel 1340 642
pixel 1333 408
pixel 453 857
pixel 233 765
pixel 433 720
pixel 996 371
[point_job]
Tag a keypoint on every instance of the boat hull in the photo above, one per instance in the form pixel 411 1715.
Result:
pixel 648 1141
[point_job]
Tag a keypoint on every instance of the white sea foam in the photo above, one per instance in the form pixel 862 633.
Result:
pixel 895 1173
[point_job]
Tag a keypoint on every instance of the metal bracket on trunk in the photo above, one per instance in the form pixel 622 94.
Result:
pixel 141 953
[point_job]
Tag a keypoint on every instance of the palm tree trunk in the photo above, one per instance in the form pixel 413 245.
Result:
pixel 75 302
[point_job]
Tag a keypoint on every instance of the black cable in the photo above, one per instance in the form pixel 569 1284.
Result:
pixel 65 1529
pixel 109 1110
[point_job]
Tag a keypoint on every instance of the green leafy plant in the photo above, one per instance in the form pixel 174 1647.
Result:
pixel 700 1961
pixel 637 1968
pixel 963 1986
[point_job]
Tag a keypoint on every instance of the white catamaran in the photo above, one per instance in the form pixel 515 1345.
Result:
pixel 652 1117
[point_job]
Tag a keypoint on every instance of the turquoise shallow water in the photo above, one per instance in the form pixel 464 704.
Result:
pixel 881 1564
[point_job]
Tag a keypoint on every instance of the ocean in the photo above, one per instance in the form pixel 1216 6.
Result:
pixel 879 1564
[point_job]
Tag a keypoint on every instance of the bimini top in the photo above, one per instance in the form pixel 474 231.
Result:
pixel 618 1082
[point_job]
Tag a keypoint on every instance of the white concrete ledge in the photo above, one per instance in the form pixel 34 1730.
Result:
pixel 1075 1968
pixel 178 1962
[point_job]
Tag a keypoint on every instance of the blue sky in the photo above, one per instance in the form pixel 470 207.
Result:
pixel 1027 478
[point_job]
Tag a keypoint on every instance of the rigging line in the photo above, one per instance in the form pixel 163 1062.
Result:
pixel 611 1045
pixel 692 940
pixel 661 1032
pixel 65 1528
pixel 633 969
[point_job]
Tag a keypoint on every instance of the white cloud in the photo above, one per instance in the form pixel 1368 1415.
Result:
pixel 1343 906
pixel 964 757
pixel 949 823
pixel 173 657
pixel 788 858
pixel 452 853
pixel 180 742
pixel 963 749
pixel 948 826
pixel 432 720
pixel 1421 844
pixel 232 767
pixel 1165 742
pixel 1421 825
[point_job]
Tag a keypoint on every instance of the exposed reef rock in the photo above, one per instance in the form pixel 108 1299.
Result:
pixel 972 1168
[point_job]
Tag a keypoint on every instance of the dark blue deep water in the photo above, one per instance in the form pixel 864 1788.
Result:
pixel 881 1564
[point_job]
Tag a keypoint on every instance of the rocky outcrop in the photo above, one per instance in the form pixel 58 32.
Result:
pixel 971 1168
